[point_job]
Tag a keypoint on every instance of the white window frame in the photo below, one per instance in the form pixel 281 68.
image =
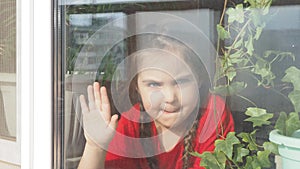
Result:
pixel 42 82
pixel 26 32
pixel 36 84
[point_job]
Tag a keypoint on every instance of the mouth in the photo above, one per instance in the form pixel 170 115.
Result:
pixel 166 111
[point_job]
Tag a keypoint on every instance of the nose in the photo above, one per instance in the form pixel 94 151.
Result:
pixel 170 94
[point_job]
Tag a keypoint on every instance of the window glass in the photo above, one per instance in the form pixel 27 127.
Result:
pixel 255 46
pixel 83 61
pixel 8 70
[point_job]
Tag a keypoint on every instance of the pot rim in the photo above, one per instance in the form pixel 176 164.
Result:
pixel 279 139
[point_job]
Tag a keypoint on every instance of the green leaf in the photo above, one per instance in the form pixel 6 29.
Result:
pixel 231 73
pixel 261 120
pixel 263 69
pixel 227 90
pixel 287 124
pixel 272 147
pixel 209 161
pixel 256 18
pixel 292 123
pixel 238 43
pixel 221 159
pixel 226 146
pixel 240 152
pixel 249 46
pixel 248 163
pixel 251 2
pixel 252 163
pixel 279 54
pixel 263 158
pixel 292 76
pixel 237 54
pixel 294 96
pixel 258 116
pixel 261 63
pixel 237 57
pixel 236 14
pixel 266 6
pixel 222 33
pixel 258 32
pixel 250 139
pixel 255 112
pixel 280 123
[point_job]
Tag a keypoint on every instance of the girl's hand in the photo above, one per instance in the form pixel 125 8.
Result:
pixel 98 124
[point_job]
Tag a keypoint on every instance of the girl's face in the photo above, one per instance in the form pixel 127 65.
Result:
pixel 168 89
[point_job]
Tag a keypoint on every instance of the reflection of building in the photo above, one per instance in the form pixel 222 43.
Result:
pixel 98 38
pixel 81 37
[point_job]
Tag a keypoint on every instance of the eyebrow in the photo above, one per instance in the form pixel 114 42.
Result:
pixel 152 79
pixel 188 76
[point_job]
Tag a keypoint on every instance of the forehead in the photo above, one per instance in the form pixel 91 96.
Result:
pixel 169 62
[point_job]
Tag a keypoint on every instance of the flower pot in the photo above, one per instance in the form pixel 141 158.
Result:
pixel 288 147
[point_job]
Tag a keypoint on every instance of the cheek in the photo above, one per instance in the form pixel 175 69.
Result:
pixel 190 97
pixel 151 99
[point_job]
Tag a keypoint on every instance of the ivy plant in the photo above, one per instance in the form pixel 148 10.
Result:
pixel 286 123
pixel 236 53
pixel 241 150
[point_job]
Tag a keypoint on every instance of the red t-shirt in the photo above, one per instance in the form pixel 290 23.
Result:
pixel 126 152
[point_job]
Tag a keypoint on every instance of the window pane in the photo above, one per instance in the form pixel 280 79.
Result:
pixel 81 52
pixel 90 50
pixel 8 69
pixel 97 38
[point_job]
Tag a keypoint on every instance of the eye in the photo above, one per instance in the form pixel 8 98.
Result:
pixel 153 84
pixel 182 81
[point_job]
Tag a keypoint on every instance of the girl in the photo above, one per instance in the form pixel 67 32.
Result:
pixel 172 113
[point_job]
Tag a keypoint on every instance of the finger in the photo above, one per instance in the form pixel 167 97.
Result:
pixel 105 104
pixel 83 104
pixel 91 97
pixel 114 121
pixel 90 93
pixel 97 95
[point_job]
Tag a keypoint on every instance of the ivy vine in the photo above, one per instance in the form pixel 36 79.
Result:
pixel 236 53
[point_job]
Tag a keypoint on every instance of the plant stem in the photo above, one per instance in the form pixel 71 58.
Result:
pixel 239 34
pixel 219 40
pixel 245 98
pixel 235 164
pixel 223 12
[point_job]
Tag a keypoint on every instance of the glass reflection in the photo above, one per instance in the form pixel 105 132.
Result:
pixel 281 33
